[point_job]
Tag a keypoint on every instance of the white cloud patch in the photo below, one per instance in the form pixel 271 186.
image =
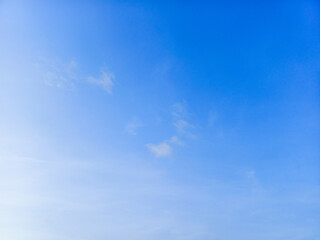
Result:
pixel 176 140
pixel 65 75
pixel 182 126
pixel 105 80
pixel 160 150
pixel 180 116
pixel 165 148
pixel 179 110
pixel 57 75
pixel 132 126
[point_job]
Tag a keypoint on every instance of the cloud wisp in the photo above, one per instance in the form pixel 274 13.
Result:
pixel 179 110
pixel 132 126
pixel 175 140
pixel 182 126
pixel 57 75
pixel 162 149
pixel 105 80
pixel 180 114
pixel 66 75
pixel 165 148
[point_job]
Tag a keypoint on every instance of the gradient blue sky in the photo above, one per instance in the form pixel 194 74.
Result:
pixel 175 120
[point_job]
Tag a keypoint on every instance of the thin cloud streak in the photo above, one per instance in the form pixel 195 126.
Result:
pixel 180 116
pixel 132 126
pixel 57 75
pixel 160 150
pixel 105 80
pixel 165 148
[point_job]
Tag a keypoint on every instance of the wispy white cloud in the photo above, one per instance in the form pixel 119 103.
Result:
pixel 65 75
pixel 180 115
pixel 57 75
pixel 105 80
pixel 183 129
pixel 176 140
pixel 182 126
pixel 70 69
pixel 179 110
pixel 165 148
pixel 162 149
pixel 132 126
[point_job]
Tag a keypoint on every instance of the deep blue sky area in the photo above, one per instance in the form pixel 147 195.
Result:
pixel 176 120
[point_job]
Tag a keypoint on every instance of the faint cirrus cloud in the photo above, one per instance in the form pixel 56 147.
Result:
pixel 66 75
pixel 165 148
pixel 105 80
pixel 59 75
pixel 162 149
pixel 180 116
pixel 132 126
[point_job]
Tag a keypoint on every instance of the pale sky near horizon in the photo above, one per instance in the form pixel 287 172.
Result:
pixel 175 120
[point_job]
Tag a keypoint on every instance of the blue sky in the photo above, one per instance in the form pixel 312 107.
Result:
pixel 174 120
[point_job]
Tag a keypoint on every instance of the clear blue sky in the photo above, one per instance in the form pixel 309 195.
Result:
pixel 175 120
